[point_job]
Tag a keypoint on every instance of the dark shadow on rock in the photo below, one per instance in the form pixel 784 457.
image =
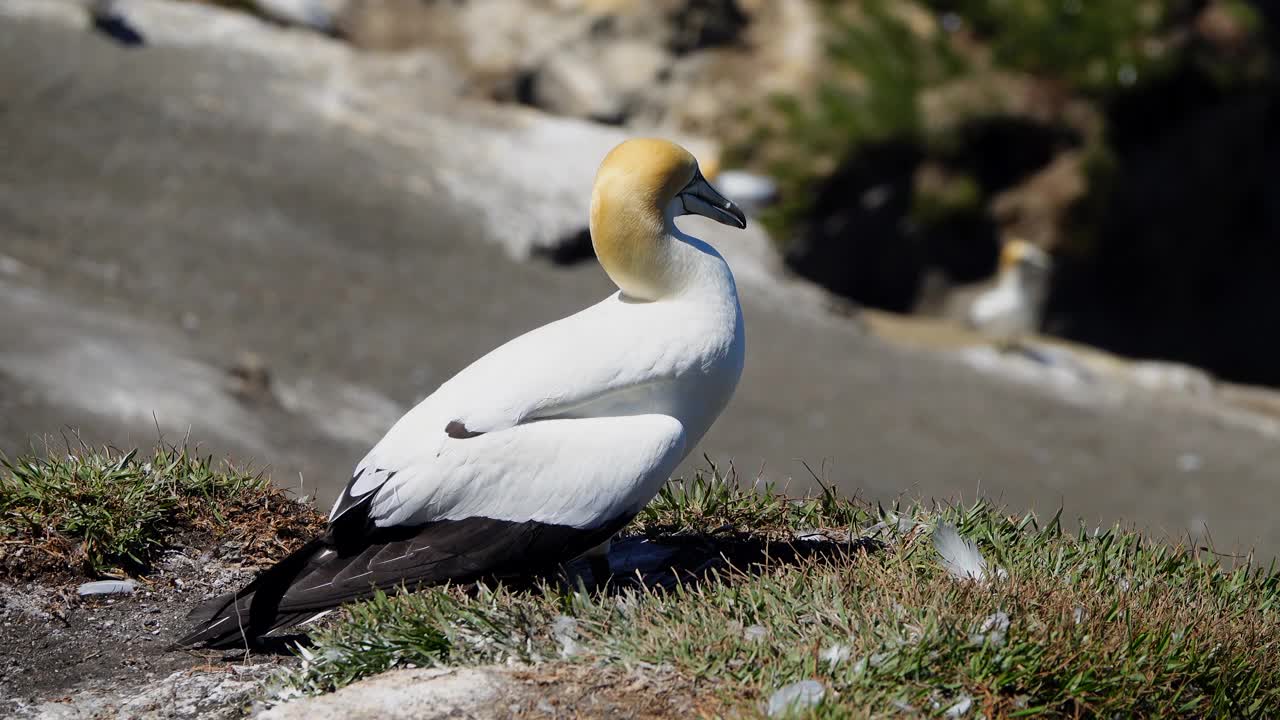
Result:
pixel 117 27
pixel 865 239
pixel 665 561
pixel 570 250
pixel 856 242
pixel 702 24
pixel 1002 150
pixel 1186 254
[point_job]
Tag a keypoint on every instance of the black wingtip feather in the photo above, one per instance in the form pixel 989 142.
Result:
pixel 353 560
pixel 241 618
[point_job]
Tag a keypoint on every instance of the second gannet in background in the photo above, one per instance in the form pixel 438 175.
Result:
pixel 1013 307
pixel 543 449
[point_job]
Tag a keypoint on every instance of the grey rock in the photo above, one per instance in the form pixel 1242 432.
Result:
pixel 420 694
pixel 602 81
pixel 354 226
pixel 183 694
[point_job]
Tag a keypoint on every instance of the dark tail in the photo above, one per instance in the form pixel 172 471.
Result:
pixel 240 619
pixel 345 565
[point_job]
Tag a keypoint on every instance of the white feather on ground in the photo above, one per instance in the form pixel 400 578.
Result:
pixel 960 555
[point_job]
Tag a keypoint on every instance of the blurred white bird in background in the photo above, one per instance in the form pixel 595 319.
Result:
pixel 1014 306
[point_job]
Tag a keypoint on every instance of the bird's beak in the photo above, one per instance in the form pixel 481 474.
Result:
pixel 699 198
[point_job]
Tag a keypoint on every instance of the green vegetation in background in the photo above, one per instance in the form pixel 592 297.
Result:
pixel 1100 50
pixel 1095 48
pixel 1099 623
pixel 878 64
pixel 878 67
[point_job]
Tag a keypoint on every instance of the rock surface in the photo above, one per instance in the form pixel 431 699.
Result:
pixel 233 186
pixel 687 65
pixel 104 656
pixel 420 694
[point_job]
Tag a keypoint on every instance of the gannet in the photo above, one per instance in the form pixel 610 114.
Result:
pixel 1012 308
pixel 541 450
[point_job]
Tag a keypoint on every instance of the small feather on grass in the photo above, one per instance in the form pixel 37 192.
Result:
pixel 960 555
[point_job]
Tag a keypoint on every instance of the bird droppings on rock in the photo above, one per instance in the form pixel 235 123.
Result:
pixel 502 691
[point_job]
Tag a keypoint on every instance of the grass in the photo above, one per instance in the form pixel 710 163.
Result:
pixel 103 511
pixel 1073 623
pixel 876 67
pixel 763 591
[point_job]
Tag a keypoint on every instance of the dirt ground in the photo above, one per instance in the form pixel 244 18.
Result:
pixel 64 656
pixel 68 656
pixel 107 658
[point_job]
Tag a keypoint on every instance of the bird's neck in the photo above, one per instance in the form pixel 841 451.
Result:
pixel 697 269
pixel 650 259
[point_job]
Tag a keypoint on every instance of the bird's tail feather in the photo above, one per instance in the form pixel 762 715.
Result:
pixel 240 618
pixel 330 571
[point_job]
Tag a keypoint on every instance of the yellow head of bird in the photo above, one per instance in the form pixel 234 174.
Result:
pixel 1017 252
pixel 641 185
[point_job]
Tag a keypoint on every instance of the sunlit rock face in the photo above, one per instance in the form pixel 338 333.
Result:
pixel 233 186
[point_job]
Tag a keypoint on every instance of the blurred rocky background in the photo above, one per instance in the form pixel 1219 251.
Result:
pixel 1024 249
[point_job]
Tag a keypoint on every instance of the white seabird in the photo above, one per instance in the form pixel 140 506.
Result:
pixel 540 451
pixel 1013 307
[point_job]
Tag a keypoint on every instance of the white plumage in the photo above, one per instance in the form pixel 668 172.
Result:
pixel 582 419
pixel 542 449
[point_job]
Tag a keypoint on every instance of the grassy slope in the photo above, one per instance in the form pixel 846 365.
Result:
pixel 1093 623
pixel 102 511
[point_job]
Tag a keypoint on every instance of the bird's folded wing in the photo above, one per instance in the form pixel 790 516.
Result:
pixel 573 472
pixel 569 368
pixel 463 430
